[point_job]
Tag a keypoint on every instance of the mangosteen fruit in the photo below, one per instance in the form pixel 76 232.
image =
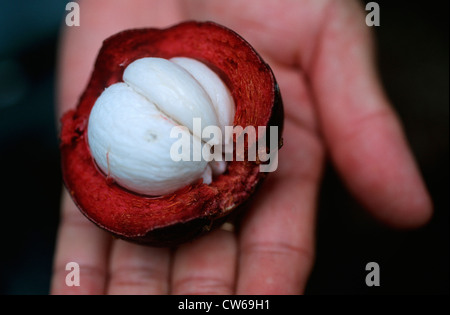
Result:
pixel 166 140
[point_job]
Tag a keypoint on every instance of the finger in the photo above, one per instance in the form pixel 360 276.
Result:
pixel 137 269
pixel 79 241
pixel 364 135
pixel 277 237
pixel 206 265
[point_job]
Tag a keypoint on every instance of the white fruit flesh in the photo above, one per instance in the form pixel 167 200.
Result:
pixel 214 87
pixel 130 124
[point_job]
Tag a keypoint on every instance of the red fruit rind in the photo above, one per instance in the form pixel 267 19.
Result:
pixel 177 217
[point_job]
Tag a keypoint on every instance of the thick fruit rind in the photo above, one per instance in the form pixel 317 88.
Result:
pixel 174 218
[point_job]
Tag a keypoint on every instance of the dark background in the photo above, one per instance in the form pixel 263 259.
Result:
pixel 413 44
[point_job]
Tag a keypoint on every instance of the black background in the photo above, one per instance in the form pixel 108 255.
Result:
pixel 413 61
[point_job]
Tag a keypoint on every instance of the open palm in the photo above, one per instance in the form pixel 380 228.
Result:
pixel 322 56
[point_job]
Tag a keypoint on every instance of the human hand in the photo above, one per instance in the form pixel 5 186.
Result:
pixel 322 56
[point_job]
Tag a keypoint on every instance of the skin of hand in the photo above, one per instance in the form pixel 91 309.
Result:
pixel 322 55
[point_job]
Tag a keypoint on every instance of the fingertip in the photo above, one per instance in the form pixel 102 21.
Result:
pixel 405 204
pixel 414 212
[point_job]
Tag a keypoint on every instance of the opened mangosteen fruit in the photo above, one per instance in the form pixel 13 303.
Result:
pixel 166 140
